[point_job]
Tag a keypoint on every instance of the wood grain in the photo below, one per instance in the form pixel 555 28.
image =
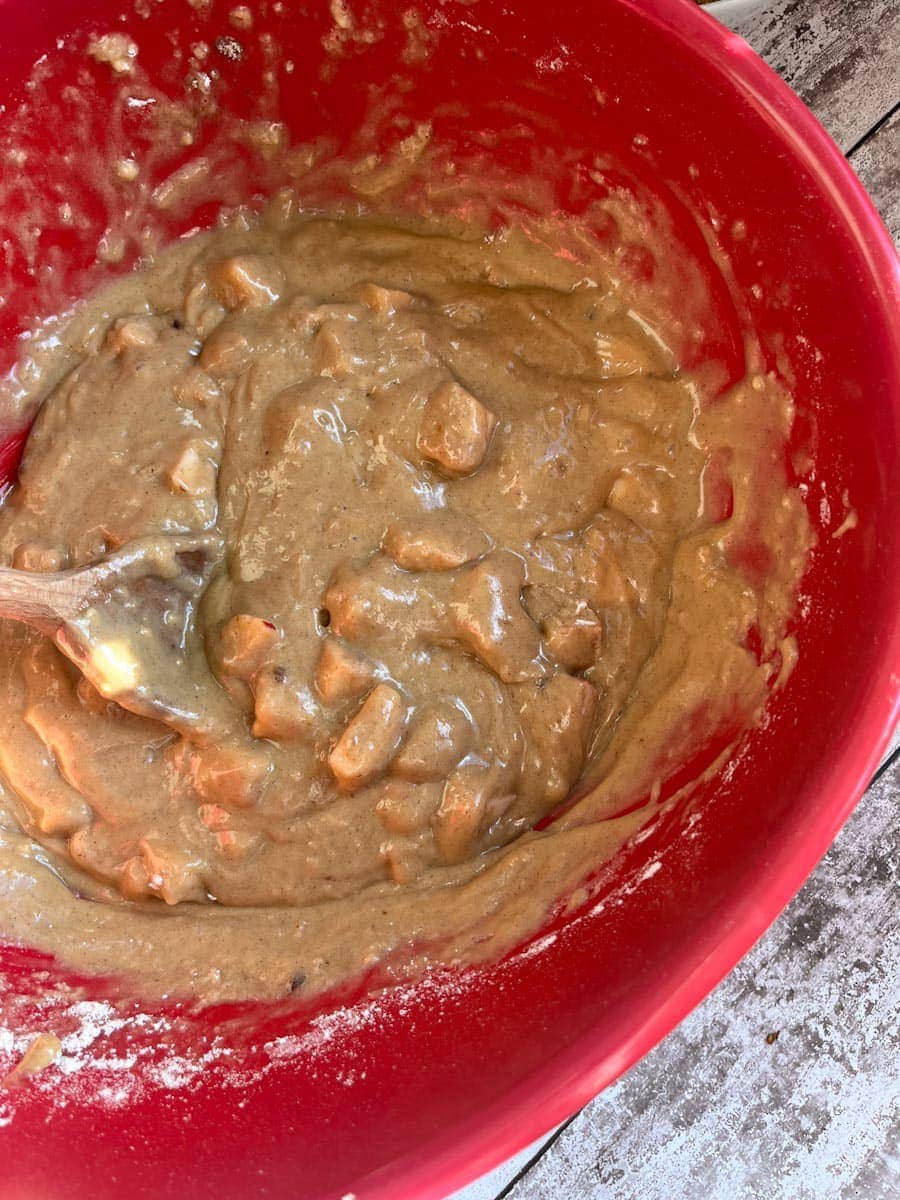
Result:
pixel 877 163
pixel 841 56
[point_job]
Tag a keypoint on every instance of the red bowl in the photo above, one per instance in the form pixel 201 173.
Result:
pixel 416 1090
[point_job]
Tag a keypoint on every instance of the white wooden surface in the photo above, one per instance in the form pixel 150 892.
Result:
pixel 815 1112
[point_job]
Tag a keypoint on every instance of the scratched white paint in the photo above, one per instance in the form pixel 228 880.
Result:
pixel 731 12
pixel 840 55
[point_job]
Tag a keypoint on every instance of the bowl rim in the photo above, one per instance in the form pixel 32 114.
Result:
pixel 574 1077
pixel 559 1087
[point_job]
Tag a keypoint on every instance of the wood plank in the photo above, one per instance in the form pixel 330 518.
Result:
pixel 877 163
pixel 841 56
pixel 783 1084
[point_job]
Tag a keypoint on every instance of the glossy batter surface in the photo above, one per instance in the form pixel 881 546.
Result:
pixel 482 539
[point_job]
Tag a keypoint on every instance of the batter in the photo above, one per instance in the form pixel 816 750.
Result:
pixel 485 544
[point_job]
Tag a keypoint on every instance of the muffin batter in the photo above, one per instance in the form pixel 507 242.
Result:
pixel 483 540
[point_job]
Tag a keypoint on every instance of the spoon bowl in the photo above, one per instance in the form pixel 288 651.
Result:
pixel 128 624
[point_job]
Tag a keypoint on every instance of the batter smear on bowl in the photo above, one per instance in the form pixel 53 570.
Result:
pixel 484 545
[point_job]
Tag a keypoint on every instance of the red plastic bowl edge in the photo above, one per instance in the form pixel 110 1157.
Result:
pixel 567 1082
pixel 536 1107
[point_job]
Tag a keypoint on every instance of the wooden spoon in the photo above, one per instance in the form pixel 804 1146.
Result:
pixel 128 624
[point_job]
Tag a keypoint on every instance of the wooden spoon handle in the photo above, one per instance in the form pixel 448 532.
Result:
pixel 43 600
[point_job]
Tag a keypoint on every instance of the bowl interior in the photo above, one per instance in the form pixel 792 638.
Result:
pixel 412 1091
